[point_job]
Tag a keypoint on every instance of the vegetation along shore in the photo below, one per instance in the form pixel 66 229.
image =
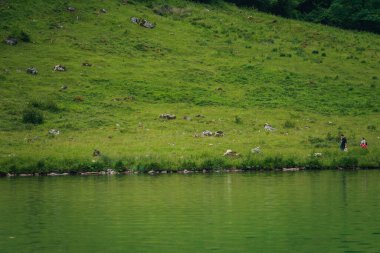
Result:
pixel 153 86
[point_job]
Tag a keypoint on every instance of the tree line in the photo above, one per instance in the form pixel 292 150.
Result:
pixel 361 15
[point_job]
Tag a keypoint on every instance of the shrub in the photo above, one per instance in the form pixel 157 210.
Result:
pixel 78 99
pixel 273 162
pixel 289 124
pixel 313 163
pixel 315 52
pixel 48 105
pixel 213 164
pixel 238 120
pixel 119 166
pixel 347 162
pixel 24 36
pixel 188 165
pixel 32 116
pixel 371 127
pixel 318 142
pixel 21 35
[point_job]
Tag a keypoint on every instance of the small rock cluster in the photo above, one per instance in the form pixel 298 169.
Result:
pixel 268 127
pixel 59 67
pixel 230 153
pixel 71 9
pixel 53 132
pixel 167 116
pixel 143 22
pixel 11 41
pixel 209 133
pixel 256 150
pixel 32 71
pixel 96 153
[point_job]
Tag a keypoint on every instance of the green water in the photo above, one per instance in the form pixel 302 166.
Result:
pixel 327 211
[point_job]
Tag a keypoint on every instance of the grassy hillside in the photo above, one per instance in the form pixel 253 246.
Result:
pixel 238 68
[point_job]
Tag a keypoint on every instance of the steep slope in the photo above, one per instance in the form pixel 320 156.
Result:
pixel 237 67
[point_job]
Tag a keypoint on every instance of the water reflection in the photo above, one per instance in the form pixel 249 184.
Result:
pixel 327 211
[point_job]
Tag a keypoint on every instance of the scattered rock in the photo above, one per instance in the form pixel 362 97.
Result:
pixel 187 118
pixel 256 150
pixel 231 153
pixel 199 116
pixel 268 127
pixel 32 71
pixel 63 87
pixel 219 89
pixel 167 116
pixel 206 133
pixel 96 153
pixel 59 67
pixel 290 169
pixel 86 64
pixel 26 175
pixel 90 173
pixel 142 22
pixel 219 134
pixel 54 132
pixel 11 41
pixel 151 172
pixel 103 10
pixel 71 9
pixel 58 174
pixel 111 172
pixel 317 154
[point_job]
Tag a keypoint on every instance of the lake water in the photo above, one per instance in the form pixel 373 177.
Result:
pixel 326 211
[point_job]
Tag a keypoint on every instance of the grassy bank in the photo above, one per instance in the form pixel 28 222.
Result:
pixel 236 69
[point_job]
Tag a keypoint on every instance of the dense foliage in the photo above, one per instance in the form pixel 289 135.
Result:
pixel 351 14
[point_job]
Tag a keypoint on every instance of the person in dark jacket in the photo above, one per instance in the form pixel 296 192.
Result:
pixel 343 143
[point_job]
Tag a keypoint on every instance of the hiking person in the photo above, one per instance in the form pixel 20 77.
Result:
pixel 363 143
pixel 343 143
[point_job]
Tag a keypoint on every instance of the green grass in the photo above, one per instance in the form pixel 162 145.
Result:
pixel 236 67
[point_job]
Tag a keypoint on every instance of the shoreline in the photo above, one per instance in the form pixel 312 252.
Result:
pixel 109 172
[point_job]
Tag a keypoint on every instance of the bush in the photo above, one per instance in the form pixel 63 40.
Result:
pixel 289 124
pixel 273 163
pixel 32 116
pixel 21 35
pixel 371 127
pixel 24 37
pixel 347 162
pixel 78 99
pixel 48 105
pixel 188 165
pixel 119 166
pixel 313 163
pixel 238 120
pixel 213 164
